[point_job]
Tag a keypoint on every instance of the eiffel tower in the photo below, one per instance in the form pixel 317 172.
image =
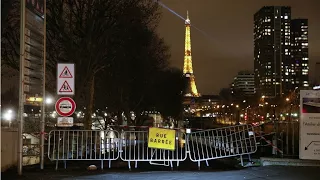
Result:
pixel 187 64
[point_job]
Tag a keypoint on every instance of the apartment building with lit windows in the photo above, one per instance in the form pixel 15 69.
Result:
pixel 299 53
pixel 278 44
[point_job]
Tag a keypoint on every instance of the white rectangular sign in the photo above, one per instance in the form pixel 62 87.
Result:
pixel 65 121
pixel 65 79
pixel 309 124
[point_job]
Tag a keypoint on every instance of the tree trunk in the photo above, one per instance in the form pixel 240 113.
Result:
pixel 89 106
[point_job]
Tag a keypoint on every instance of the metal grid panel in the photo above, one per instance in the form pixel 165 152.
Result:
pixel 83 145
pixel 222 143
pixel 134 147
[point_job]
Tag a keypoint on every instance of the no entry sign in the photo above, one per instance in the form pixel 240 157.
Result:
pixel 65 106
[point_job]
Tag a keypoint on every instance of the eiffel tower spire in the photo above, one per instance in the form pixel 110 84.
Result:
pixel 187 64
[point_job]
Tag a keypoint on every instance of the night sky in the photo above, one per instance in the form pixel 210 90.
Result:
pixel 228 46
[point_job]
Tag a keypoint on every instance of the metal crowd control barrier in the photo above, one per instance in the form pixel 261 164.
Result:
pixel 221 143
pixel 134 147
pixel 68 145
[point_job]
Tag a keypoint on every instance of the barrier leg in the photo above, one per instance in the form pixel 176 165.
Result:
pixel 65 164
pixel 207 163
pixel 178 163
pixel 136 164
pixel 199 165
pixel 57 164
pixel 102 164
pixel 241 160
pixel 249 156
pixel 129 165
pixel 109 164
pixel 171 164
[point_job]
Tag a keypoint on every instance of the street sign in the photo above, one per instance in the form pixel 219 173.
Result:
pixel 309 124
pixel 65 106
pixel 65 121
pixel 65 79
pixel 160 138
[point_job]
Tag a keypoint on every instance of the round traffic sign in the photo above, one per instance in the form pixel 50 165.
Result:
pixel 65 106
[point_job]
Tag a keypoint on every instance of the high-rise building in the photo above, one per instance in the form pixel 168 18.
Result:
pixel 187 64
pixel 300 53
pixel 272 54
pixel 243 84
pixel 280 51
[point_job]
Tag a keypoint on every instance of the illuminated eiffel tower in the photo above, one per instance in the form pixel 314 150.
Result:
pixel 187 64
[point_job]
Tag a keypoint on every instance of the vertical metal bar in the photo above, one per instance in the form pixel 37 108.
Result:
pixel 77 144
pixel 72 144
pixel 42 122
pixel 202 146
pixel 63 137
pixel 21 85
pixel 86 147
pixel 68 145
pixel 293 138
pixel 82 150
pixel 236 139
pixel 206 144
pixel 227 143
pixel 90 149
pixel 58 155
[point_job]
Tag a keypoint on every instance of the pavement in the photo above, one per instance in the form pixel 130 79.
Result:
pixel 146 171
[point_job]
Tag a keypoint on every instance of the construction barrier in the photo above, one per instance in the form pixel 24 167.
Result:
pixel 157 146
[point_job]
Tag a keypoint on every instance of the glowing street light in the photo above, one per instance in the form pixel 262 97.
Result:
pixel 8 115
pixel 49 100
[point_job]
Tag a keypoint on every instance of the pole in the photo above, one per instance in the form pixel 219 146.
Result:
pixel 43 114
pixel 21 87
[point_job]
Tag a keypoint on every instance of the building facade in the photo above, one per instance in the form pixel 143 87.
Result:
pixel 280 51
pixel 299 53
pixel 243 84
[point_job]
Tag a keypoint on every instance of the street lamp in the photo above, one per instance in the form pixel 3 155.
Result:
pixel 8 116
pixel 49 100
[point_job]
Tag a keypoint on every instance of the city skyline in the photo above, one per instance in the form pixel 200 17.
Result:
pixel 218 52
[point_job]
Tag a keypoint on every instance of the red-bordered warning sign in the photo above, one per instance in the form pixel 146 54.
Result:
pixel 65 87
pixel 65 73
pixel 65 106
pixel 65 79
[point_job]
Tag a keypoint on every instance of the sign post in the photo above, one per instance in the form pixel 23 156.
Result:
pixel 309 125
pixel 32 67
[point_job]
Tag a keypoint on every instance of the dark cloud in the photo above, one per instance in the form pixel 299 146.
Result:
pixel 228 47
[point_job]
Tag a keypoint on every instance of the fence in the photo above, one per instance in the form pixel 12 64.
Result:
pixel 132 146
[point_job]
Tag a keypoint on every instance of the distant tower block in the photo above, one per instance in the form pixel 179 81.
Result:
pixel 187 64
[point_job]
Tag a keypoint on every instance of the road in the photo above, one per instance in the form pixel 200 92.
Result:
pixel 253 173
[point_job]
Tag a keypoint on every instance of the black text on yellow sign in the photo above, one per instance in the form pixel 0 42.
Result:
pixel 162 138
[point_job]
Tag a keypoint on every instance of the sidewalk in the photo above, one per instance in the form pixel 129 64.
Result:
pixel 256 173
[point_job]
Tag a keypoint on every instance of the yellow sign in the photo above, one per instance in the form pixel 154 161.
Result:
pixel 162 138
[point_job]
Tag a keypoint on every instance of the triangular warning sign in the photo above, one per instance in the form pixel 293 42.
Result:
pixel 65 73
pixel 65 87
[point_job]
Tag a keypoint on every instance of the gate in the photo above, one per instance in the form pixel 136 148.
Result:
pixel 132 146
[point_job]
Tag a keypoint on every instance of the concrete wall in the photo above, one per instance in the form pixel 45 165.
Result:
pixel 9 147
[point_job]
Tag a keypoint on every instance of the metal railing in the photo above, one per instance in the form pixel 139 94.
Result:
pixel 83 145
pixel 132 146
pixel 221 143
pixel 135 148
